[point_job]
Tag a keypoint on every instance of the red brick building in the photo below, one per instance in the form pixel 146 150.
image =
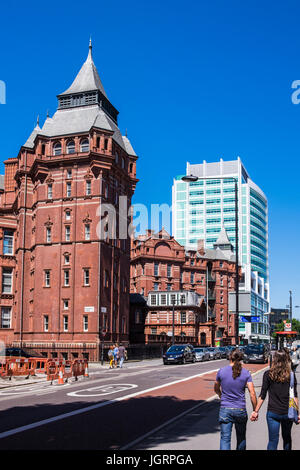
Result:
pixel 160 267
pixel 60 284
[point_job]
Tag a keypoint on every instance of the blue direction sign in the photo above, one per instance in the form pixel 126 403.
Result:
pixel 249 319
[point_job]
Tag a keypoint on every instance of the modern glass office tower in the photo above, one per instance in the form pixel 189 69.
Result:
pixel 200 209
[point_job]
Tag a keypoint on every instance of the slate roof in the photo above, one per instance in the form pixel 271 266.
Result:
pixel 80 119
pixel 87 78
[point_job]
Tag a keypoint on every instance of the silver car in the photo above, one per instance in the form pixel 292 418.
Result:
pixel 214 354
pixel 202 354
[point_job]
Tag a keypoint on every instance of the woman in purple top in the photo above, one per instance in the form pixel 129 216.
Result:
pixel 230 386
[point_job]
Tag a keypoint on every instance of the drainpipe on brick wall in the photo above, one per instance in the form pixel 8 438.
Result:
pixel 100 324
pixel 23 253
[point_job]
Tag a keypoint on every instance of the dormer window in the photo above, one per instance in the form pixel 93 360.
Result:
pixel 84 145
pixel 71 147
pixel 57 148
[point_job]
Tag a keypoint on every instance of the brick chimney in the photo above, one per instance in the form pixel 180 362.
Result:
pixel 200 246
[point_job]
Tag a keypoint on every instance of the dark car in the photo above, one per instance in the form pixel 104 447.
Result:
pixel 179 354
pixel 229 349
pixel 256 353
pixel 21 352
pixel 223 351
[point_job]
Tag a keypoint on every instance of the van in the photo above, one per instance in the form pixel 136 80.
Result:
pixel 256 353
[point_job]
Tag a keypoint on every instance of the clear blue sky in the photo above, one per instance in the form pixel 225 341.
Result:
pixel 192 80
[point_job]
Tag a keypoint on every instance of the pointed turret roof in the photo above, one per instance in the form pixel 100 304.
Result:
pixel 30 141
pixel 223 238
pixel 87 78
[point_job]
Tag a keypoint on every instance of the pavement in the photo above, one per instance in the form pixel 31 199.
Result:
pixel 199 429
pixel 38 378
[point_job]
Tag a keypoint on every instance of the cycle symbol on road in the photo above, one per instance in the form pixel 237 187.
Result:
pixel 102 390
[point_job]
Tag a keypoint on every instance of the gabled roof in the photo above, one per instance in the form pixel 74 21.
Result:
pixel 87 78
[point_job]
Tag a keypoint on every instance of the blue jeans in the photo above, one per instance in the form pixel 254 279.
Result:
pixel 121 361
pixel 228 417
pixel 274 422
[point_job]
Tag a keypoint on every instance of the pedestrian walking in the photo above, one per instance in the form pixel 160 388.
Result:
pixel 230 385
pixel 111 357
pixel 116 355
pixel 122 355
pixel 295 357
pixel 276 382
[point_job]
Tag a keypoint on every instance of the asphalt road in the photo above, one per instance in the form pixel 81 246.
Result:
pixel 112 409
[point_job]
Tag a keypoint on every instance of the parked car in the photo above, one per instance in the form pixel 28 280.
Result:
pixel 256 353
pixel 214 353
pixel 179 354
pixel 21 352
pixel 222 351
pixel 202 354
pixel 228 350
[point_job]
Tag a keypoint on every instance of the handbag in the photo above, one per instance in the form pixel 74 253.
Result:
pixel 293 410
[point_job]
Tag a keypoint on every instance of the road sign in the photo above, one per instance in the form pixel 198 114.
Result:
pixel 249 319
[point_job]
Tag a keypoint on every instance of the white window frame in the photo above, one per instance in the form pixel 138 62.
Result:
pixel 66 323
pixel 46 322
pixel 50 191
pixel 47 277
pixel 66 278
pixel 67 233
pixel 7 274
pixel 86 277
pixel 5 317
pixel 48 235
pixel 8 236
pixel 85 145
pixel 85 323
pixel 88 188
pixel 87 232
pixel 69 189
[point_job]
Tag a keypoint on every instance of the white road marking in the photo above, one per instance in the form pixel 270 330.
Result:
pixel 102 390
pixel 37 424
pixel 35 388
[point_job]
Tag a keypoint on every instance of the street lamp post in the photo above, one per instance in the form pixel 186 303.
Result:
pixel 192 178
pixel 173 323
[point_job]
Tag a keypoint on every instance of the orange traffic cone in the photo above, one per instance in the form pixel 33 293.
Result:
pixel 60 377
pixel 86 371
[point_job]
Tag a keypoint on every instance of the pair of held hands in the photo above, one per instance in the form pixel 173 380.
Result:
pixel 254 417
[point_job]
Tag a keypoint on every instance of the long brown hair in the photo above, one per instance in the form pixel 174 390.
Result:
pixel 236 357
pixel 280 369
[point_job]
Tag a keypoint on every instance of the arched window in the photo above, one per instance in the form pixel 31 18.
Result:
pixel 57 148
pixel 84 145
pixel 71 146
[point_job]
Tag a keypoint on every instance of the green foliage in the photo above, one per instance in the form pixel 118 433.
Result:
pixel 280 327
